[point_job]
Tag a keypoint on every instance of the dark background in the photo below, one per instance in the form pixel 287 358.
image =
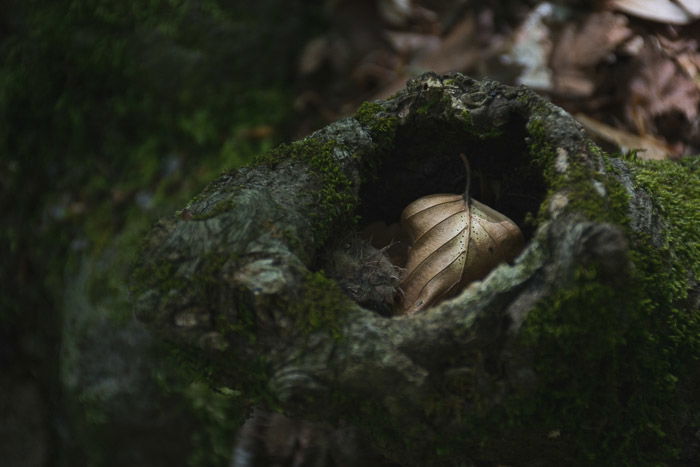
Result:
pixel 113 114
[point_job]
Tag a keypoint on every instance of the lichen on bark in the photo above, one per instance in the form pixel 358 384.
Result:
pixel 583 350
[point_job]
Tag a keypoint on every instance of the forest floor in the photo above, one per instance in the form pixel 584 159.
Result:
pixel 631 76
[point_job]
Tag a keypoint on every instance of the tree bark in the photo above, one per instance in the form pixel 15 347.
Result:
pixel 584 350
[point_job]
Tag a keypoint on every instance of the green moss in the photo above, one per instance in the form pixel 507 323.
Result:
pixel 335 199
pixel 596 195
pixel 479 133
pixel 218 410
pixel 382 129
pixel 415 134
pixel 541 151
pixel 669 268
pixel 675 189
pixel 582 188
pixel 220 413
pixel 321 307
pixel 610 362
pixel 381 126
pixel 367 113
pixel 602 382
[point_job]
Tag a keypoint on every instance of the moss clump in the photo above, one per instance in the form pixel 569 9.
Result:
pixel 369 116
pixel 218 410
pixel 220 413
pixel 541 151
pixel 612 363
pixel 596 195
pixel 675 189
pixel 480 132
pixel 605 383
pixel 336 200
pixel 321 307
pixel 382 129
pixel 670 268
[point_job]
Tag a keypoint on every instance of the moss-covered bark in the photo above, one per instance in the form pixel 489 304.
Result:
pixel 584 351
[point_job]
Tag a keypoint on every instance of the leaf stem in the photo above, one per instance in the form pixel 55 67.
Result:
pixel 468 172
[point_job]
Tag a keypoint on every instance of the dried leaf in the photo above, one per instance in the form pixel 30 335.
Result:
pixel 455 242
pixel 662 11
pixel 662 100
pixel 692 7
pixel 580 48
pixel 649 146
pixel 395 12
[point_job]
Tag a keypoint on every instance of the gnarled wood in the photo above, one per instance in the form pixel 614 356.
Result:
pixel 543 362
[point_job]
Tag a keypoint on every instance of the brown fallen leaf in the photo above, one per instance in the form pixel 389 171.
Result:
pixel 649 147
pixel 661 99
pixel 685 52
pixel 583 46
pixel 662 11
pixel 455 240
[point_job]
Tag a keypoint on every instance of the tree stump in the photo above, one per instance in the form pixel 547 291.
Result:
pixel 585 350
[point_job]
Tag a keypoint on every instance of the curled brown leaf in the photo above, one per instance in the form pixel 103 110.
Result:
pixel 455 241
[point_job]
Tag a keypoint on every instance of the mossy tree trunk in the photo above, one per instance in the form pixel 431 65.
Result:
pixel 584 351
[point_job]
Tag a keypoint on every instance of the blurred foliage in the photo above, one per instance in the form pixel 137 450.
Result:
pixel 112 114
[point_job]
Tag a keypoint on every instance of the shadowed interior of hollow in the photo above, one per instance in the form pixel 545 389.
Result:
pixel 425 160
